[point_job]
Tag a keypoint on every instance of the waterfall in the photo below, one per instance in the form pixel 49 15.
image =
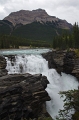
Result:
pixel 36 64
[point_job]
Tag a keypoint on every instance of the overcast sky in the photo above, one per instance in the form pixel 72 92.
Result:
pixel 63 9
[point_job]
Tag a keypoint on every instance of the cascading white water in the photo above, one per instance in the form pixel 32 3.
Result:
pixel 35 64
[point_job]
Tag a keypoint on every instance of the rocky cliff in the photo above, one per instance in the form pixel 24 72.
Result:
pixel 63 61
pixel 3 71
pixel 23 96
pixel 26 17
pixel 33 26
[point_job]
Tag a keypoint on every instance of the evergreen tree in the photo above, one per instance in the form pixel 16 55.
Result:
pixel 68 40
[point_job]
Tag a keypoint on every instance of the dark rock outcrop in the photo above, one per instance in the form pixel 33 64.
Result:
pixel 2 62
pixel 63 61
pixel 22 96
pixel 75 70
pixel 69 62
pixel 55 59
pixel 3 70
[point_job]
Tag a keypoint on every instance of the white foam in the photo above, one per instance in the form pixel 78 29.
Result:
pixel 35 64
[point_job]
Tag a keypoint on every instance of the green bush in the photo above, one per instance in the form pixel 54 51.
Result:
pixel 77 53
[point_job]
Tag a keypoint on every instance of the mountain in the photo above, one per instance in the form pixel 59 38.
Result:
pixel 5 27
pixel 33 25
pixel 26 17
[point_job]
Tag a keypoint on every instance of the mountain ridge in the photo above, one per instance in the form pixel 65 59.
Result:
pixel 39 15
pixel 35 25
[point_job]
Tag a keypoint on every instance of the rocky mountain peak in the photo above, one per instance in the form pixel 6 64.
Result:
pixel 39 15
pixel 39 10
pixel 26 16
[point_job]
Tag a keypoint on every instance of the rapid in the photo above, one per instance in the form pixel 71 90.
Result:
pixel 34 63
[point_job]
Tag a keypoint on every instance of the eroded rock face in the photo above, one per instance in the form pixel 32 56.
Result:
pixel 69 62
pixel 75 70
pixel 2 62
pixel 55 60
pixel 63 61
pixel 22 96
pixel 3 70
pixel 26 17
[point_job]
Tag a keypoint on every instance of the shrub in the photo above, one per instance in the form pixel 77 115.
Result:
pixel 77 53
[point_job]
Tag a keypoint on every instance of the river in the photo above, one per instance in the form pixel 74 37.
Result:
pixel 31 61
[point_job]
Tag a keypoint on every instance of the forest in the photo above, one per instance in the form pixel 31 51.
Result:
pixel 67 40
pixel 8 41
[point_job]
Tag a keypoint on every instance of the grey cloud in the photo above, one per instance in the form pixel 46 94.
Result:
pixel 2 2
pixel 63 9
pixel 2 16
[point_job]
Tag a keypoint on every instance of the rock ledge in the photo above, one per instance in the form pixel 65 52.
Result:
pixel 22 96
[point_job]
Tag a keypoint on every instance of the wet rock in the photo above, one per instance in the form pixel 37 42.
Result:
pixel 63 61
pixel 75 70
pixel 11 57
pixel 22 96
pixel 2 62
pixel 55 59
pixel 69 62
pixel 3 70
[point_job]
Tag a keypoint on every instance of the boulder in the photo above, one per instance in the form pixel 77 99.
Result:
pixel 22 96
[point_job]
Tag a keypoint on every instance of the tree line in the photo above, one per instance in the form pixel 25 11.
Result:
pixel 64 41
pixel 67 40
pixel 8 41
